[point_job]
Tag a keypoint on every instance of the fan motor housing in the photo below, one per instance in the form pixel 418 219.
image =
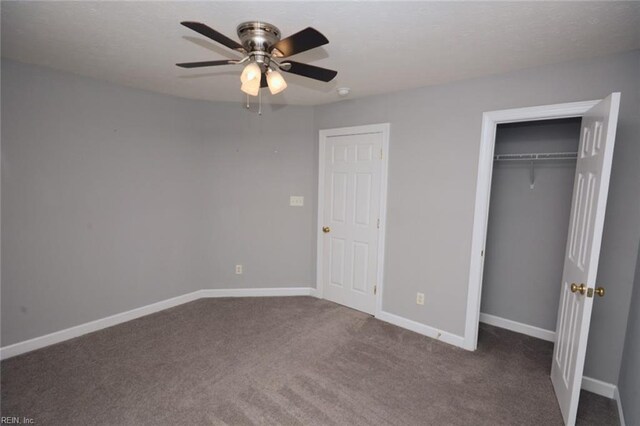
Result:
pixel 257 36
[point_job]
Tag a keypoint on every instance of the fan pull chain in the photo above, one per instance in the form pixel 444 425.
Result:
pixel 260 102
pixel 247 101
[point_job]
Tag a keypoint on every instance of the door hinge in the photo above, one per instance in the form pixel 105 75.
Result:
pixel 381 153
pixel 378 224
pixel 482 253
pixel 375 289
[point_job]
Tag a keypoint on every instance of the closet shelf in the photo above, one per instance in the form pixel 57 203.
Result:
pixel 537 156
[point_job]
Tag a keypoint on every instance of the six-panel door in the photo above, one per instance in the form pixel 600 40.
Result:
pixel 590 190
pixel 351 206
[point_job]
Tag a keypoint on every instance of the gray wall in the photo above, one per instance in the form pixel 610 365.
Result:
pixel 253 165
pixel 114 198
pixel 433 165
pixel 527 231
pixel 629 381
pixel 101 208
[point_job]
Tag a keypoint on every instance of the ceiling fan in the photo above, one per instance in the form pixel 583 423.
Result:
pixel 262 47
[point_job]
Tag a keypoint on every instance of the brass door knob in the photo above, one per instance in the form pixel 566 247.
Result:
pixel 326 229
pixel 599 291
pixel 578 288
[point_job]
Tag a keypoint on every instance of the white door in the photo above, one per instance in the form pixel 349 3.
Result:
pixel 583 250
pixel 349 216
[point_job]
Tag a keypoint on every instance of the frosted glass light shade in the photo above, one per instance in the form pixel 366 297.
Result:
pixel 251 87
pixel 276 82
pixel 250 72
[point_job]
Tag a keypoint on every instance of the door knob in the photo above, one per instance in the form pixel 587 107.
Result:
pixel 599 291
pixel 581 288
pixel 326 229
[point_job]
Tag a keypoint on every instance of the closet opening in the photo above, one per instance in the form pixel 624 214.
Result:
pixel 522 219
pixel 529 209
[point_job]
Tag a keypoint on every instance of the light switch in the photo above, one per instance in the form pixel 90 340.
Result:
pixel 296 201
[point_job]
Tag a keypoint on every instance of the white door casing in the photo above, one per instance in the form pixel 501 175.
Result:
pixel 588 207
pixel 605 112
pixel 351 203
pixel 490 121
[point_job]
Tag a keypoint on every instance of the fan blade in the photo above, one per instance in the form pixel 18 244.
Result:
pixel 302 41
pixel 206 63
pixel 310 71
pixel 263 81
pixel 213 35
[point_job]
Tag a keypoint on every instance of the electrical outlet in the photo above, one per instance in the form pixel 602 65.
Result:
pixel 238 269
pixel 420 298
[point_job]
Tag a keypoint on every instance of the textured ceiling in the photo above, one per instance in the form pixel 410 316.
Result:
pixel 376 47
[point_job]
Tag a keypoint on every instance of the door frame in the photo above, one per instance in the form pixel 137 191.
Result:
pixel 384 129
pixel 490 121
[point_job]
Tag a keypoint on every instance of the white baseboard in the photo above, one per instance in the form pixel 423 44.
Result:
pixel 593 385
pixel 519 327
pixel 99 324
pixel 420 328
pixel 616 396
pixel 89 327
pixel 599 387
pixel 589 384
pixel 256 292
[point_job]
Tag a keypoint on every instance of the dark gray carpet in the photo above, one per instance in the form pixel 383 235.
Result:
pixel 294 360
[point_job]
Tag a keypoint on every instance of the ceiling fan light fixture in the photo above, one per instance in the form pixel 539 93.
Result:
pixel 251 72
pixel 276 82
pixel 260 43
pixel 251 87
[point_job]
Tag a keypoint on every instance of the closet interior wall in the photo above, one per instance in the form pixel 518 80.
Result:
pixel 528 225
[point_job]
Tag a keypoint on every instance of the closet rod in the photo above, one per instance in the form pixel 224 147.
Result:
pixel 537 156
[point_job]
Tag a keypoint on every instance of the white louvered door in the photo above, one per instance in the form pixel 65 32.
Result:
pixel 351 213
pixel 583 251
